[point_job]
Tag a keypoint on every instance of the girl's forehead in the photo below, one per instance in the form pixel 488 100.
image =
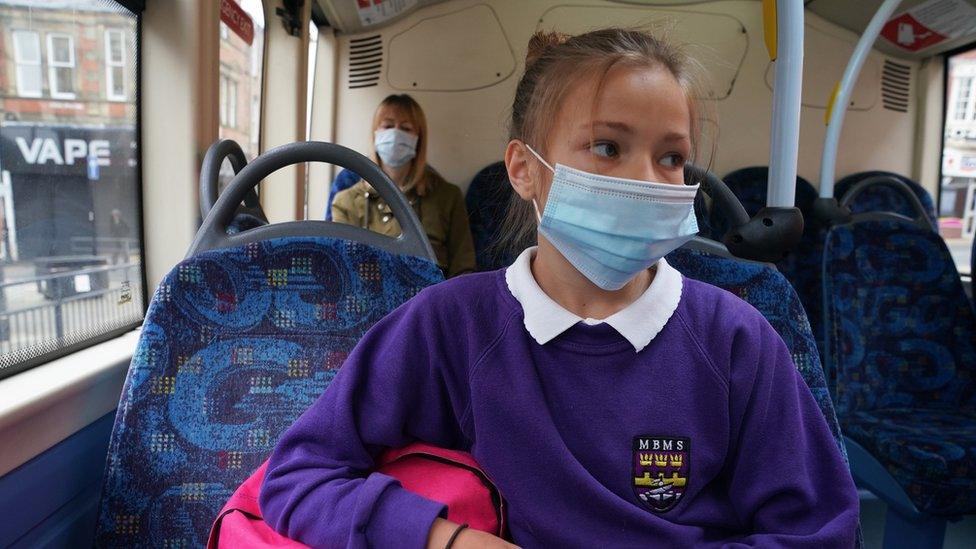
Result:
pixel 636 94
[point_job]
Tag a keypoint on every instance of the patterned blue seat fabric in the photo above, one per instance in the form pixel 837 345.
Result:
pixel 802 267
pixel 236 344
pixel 767 290
pixel 901 339
pixel 886 199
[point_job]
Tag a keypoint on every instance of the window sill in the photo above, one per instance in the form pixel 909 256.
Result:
pixel 46 404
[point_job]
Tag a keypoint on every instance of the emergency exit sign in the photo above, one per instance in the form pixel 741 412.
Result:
pixel 237 20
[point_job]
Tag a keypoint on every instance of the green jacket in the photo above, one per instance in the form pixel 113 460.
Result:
pixel 441 212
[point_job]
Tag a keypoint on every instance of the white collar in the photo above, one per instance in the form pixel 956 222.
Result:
pixel 638 322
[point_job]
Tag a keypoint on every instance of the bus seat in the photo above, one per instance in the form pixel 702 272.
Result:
pixel 237 342
pixel 249 214
pixel 885 199
pixel 749 186
pixel 901 347
pixel 801 267
pixel 766 289
pixel 487 201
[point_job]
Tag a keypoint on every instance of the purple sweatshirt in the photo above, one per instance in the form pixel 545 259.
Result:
pixel 706 437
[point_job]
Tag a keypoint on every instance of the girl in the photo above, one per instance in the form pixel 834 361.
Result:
pixel 611 401
pixel 400 142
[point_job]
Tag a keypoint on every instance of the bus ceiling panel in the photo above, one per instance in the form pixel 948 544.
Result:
pixel 461 50
pixel 924 28
pixel 718 41
pixel 353 16
pixel 826 52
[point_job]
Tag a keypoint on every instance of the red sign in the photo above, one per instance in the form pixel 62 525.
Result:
pixel 907 33
pixel 237 20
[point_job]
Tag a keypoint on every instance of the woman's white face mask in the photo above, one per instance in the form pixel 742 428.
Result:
pixel 395 147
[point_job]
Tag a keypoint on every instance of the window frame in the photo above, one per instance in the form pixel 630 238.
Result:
pixel 19 63
pixel 134 7
pixel 111 65
pixel 53 65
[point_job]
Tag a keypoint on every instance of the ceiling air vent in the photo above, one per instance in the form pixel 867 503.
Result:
pixel 896 80
pixel 365 61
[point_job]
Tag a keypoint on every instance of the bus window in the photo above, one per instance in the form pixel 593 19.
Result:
pixel 70 246
pixel 957 201
pixel 241 71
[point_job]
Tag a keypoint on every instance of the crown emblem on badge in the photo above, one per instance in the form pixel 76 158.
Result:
pixel 662 460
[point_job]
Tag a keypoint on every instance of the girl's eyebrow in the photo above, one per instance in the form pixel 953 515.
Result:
pixel 675 136
pixel 619 126
pixel 623 127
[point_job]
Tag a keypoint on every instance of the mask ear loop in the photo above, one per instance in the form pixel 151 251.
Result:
pixel 535 204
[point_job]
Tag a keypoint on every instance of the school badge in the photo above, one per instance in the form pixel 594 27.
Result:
pixel 661 467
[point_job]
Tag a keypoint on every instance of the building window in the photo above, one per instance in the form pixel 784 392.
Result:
pixel 223 101
pixel 963 108
pixel 27 57
pixel 115 65
pixel 228 102
pixel 61 65
pixel 231 103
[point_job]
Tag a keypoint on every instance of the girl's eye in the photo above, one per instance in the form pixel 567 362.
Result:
pixel 673 160
pixel 605 148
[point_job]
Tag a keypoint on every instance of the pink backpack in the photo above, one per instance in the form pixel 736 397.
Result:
pixel 451 477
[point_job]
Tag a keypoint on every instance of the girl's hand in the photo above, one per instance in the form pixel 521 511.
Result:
pixel 442 530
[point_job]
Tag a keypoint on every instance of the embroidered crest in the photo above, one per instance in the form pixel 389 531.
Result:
pixel 661 467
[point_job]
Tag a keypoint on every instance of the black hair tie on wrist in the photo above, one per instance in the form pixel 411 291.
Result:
pixel 455 535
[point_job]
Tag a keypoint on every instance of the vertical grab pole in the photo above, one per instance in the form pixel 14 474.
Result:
pixel 787 59
pixel 837 107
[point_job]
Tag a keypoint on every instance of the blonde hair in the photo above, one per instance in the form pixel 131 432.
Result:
pixel 554 62
pixel 409 107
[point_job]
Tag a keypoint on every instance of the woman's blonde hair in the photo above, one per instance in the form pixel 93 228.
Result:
pixel 409 107
pixel 554 62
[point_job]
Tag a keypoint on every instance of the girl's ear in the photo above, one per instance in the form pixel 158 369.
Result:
pixel 518 161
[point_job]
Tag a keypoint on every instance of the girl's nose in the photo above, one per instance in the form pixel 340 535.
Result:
pixel 645 169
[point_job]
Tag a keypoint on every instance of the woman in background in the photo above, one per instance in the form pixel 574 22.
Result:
pixel 400 149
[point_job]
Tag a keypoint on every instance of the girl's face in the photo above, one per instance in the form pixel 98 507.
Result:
pixel 638 128
pixel 391 117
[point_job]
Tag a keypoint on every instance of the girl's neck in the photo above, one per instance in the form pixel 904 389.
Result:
pixel 574 292
pixel 398 175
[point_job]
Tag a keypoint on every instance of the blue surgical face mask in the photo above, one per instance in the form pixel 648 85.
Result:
pixel 395 147
pixel 611 228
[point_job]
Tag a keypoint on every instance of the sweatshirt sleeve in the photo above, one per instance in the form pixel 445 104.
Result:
pixel 788 483
pixel 318 488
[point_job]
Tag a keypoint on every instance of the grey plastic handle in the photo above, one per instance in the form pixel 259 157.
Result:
pixel 921 218
pixel 213 233
pixel 210 173
pixel 719 192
